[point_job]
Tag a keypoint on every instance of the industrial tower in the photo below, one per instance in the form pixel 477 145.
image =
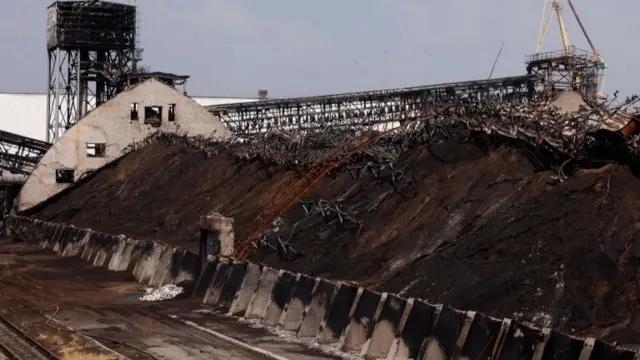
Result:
pixel 571 68
pixel 92 48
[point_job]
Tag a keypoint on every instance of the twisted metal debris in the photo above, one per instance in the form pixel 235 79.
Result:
pixel 540 124
pixel 566 135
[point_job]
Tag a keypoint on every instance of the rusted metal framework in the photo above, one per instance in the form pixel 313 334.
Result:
pixel 381 109
pixel 570 69
pixel 91 45
pixel 19 154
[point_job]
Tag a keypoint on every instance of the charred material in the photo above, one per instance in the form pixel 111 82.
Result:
pixel 545 128
pixel 378 110
pixel 20 154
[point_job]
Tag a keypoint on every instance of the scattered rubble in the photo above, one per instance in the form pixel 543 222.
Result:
pixel 165 292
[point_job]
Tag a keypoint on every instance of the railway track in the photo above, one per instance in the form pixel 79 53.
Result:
pixel 16 345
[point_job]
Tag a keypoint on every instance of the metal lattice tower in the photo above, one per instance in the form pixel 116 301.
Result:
pixel 91 47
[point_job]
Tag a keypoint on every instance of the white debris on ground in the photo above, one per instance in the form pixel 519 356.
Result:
pixel 290 337
pixel 164 293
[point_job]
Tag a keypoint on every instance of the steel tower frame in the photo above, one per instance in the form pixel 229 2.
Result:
pixel 91 47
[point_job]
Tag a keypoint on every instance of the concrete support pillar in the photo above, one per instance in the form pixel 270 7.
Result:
pixel 216 236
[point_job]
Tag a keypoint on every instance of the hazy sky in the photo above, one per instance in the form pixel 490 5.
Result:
pixel 291 48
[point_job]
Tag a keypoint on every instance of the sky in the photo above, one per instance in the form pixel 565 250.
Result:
pixel 299 48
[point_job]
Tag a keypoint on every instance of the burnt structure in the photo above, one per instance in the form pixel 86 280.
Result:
pixel 570 69
pixel 20 154
pixel 91 46
pixel 371 109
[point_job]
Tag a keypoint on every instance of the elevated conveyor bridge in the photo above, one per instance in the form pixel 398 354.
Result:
pixel 19 155
pixel 375 109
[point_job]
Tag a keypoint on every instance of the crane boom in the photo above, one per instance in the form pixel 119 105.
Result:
pixel 584 31
pixel 563 29
pixel 544 27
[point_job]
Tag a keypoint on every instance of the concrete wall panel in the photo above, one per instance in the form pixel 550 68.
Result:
pixel 77 248
pixel 152 264
pixel 480 337
pixel 205 278
pixel 88 249
pixel 387 325
pixel 127 255
pixel 337 317
pixel 144 250
pixel 163 268
pixel 314 315
pixel 519 342
pixel 116 259
pixel 404 329
pixel 362 321
pixel 232 286
pixel 220 278
pixel 188 272
pixel 442 342
pixel 562 347
pixel 140 250
pixel 66 243
pixel 262 296
pixel 293 314
pixel 175 266
pixel 248 287
pixel 280 297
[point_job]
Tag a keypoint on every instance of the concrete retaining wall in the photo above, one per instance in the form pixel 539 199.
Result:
pixel 356 320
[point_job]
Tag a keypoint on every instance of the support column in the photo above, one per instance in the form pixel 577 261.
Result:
pixel 216 236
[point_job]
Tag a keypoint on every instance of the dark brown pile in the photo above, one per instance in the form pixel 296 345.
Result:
pixel 478 231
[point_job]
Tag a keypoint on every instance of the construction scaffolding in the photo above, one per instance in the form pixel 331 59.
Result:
pixel 91 47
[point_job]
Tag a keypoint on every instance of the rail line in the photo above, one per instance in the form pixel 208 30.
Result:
pixel 17 345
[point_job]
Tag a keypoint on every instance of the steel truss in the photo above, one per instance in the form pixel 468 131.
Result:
pixel 374 109
pixel 571 69
pixel 19 154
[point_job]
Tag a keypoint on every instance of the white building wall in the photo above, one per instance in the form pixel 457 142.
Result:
pixel 26 113
pixel 111 124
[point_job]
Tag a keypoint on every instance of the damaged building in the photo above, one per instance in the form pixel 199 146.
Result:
pixel 103 134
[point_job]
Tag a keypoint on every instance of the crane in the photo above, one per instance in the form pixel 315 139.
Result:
pixel 544 26
pixel 598 70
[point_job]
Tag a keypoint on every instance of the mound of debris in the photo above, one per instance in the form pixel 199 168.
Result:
pixel 464 218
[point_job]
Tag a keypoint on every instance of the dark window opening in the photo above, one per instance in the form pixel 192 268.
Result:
pixel 153 115
pixel 134 111
pixel 172 112
pixel 64 176
pixel 96 149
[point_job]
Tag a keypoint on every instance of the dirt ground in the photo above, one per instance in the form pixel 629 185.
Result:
pixel 476 230
pixel 77 310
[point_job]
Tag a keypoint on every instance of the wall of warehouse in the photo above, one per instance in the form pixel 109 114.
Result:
pixel 26 113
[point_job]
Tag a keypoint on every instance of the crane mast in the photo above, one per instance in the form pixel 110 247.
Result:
pixel 571 68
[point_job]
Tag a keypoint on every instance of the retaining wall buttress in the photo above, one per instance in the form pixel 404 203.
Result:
pixel 249 284
pixel 261 298
pixel 387 324
pixel 280 297
pixel 354 319
pixel 336 318
pixel 301 296
pixel 219 279
pixel 362 321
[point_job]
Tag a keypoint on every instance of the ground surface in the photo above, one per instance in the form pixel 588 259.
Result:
pixel 478 231
pixel 103 306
